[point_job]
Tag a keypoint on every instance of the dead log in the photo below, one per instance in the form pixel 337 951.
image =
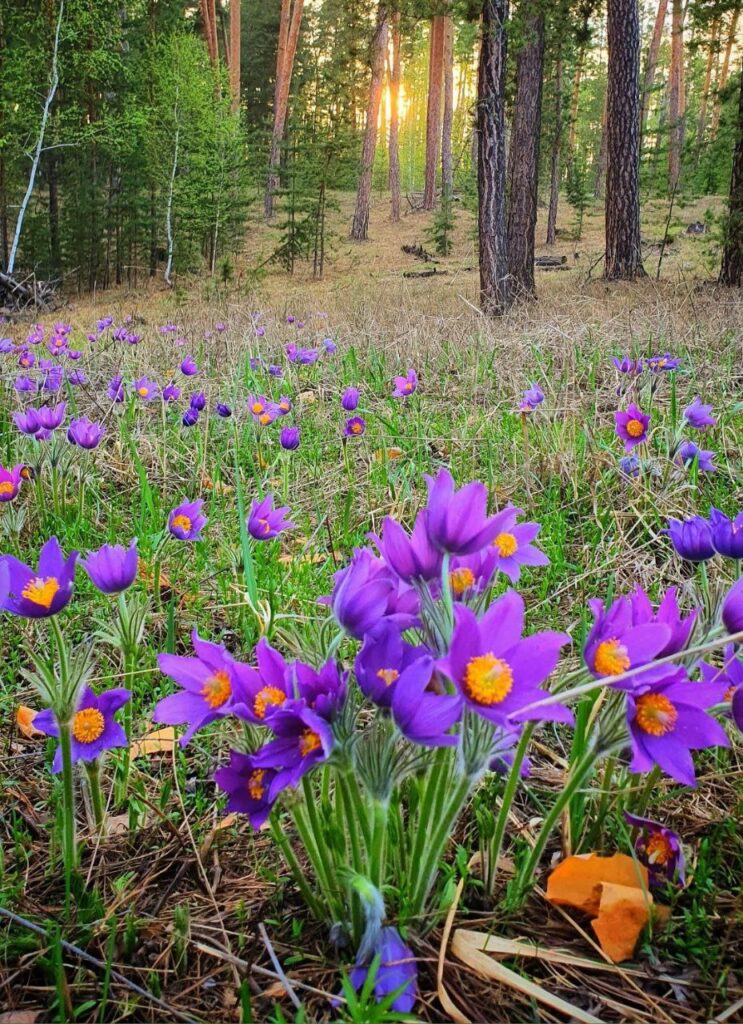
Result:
pixel 419 253
pixel 549 261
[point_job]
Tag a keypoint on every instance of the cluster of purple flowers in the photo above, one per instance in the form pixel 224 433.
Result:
pixel 697 539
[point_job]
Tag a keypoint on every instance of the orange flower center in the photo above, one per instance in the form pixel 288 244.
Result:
pixel 355 428
pixel 284 406
pixel 6 487
pixel 635 428
pixel 408 387
pixel 182 522
pixel 217 689
pixel 460 580
pixel 506 543
pixel 611 658
pixel 308 742
pixel 87 725
pixel 487 679
pixel 41 591
pixel 388 675
pixel 268 697
pixel 265 419
pixel 264 525
pixel 257 407
pixel 729 692
pixel 143 392
pixel 658 849
pixel 655 714
pixel 256 789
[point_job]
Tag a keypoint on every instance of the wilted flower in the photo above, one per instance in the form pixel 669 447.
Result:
pixel 25 384
pixel 631 426
pixel 112 568
pixel 629 465
pixel 405 386
pixel 10 482
pixel 274 370
pixel 688 451
pixel 396 969
pixel 697 415
pixel 330 346
pixel 265 522
pixel 289 438
pixel 350 399
pixel 84 433
pixel 691 538
pixel 185 522
pixel 93 727
pixel 44 592
pixel 77 378
pixel 727 534
pixel 659 849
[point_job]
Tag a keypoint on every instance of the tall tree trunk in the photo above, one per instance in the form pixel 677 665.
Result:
pixel 395 121
pixel 702 122
pixel 600 179
pixel 574 100
pixel 235 53
pixel 555 157
pixel 208 16
pixel 676 95
pixel 651 61
pixel 433 114
pixel 289 25
pixel 725 71
pixel 524 157
pixel 623 255
pixel 731 272
pixel 447 166
pixel 360 226
pixel 495 291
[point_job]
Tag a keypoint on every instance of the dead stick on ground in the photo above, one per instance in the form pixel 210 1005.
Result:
pixel 277 966
pixel 88 958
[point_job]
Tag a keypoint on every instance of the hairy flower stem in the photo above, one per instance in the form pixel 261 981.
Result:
pixel 123 788
pixel 495 845
pixel 436 845
pixel 290 857
pixel 318 850
pixel 379 842
pixel 93 773
pixel 434 781
pixel 69 839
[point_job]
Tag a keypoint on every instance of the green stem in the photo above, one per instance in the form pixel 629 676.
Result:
pixel 69 843
pixel 96 797
pixel 431 785
pixel 294 866
pixel 501 822
pixel 123 786
pixel 379 842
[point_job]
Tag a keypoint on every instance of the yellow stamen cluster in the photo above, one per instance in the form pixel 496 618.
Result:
pixel 257 408
pixel 487 679
pixel 143 392
pixel 265 419
pixel 655 714
pixel 507 544
pixel 635 428
pixel 41 591
pixel 460 580
pixel 268 697
pixel 309 741
pixel 87 725
pixel 611 658
pixel 6 487
pixel 217 689
pixel 356 428
pixel 388 675
pixel 658 849
pixel 256 789
pixel 182 522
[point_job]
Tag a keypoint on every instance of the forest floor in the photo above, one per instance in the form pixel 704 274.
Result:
pixel 175 895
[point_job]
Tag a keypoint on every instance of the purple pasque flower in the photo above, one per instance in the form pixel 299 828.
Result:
pixel 257 405
pixel 27 422
pixel 247 787
pixel 44 592
pixel 396 971
pixel 146 389
pixel 405 386
pixel 668 614
pixel 112 568
pixel 727 534
pixel 189 367
pixel 688 451
pixel 53 380
pixel 457 521
pixel 186 522
pixel 171 393
pixel 366 591
pixel 266 522
pixel 631 426
pixel 190 417
pixel 330 346
pixel 659 849
pixel 496 672
pixel 323 690
pixel 51 417
pixel 731 675
pixel 422 713
pixel 289 438
pixel 77 378
pixel 209 683
pixel 74 354
pixel 513 543
pixel 350 399
pixel 303 739
pixel 629 465
pixel 732 608
pixel 84 433
pixel 662 364
pixel 284 405
pixel 115 390
pixel 25 384
pixel 303 356
pixel 625 364
pixel 26 360
pixel 531 398
pixel 668 720
pixel 274 370
pixel 93 726
pixel 382 660
pixel 10 482
pixel 223 410
pixel 355 426
pixel 697 415
pixel 691 538
pixel 197 401
pixel 410 557
pixel 620 641
pixel 471 574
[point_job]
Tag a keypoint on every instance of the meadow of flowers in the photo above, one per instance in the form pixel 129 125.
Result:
pixel 399 656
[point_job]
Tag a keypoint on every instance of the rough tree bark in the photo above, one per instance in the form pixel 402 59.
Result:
pixel 623 255
pixel 447 166
pixel 360 226
pixel 651 61
pixel 209 18
pixel 235 53
pixel 555 157
pixel 676 101
pixel 289 24
pixel 395 76
pixel 523 171
pixel 433 112
pixel 711 54
pixel 495 291
pixel 574 100
pixel 724 72
pixel 731 272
